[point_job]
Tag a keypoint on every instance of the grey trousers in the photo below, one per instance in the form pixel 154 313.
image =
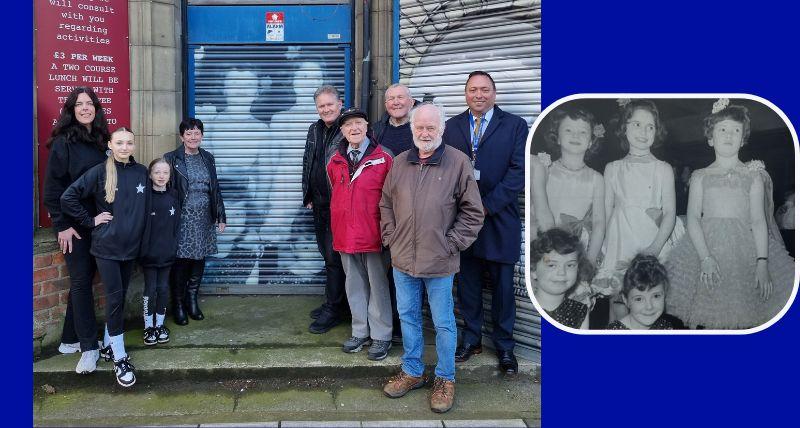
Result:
pixel 367 290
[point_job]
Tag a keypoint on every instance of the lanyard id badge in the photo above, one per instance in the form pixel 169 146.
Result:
pixel 477 133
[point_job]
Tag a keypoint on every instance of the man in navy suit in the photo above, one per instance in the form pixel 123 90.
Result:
pixel 495 141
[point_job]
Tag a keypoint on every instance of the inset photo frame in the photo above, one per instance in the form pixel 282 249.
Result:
pixel 661 214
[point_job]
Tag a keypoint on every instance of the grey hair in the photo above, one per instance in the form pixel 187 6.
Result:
pixel 397 85
pixel 326 89
pixel 439 110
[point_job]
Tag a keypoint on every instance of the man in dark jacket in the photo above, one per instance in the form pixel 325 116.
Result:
pixel 495 141
pixel 393 130
pixel 321 141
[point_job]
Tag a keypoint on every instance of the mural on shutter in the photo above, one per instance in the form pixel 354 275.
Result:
pixel 257 103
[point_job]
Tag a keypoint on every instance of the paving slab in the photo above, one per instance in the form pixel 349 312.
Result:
pixel 402 423
pixel 321 424
pixel 243 425
pixel 486 423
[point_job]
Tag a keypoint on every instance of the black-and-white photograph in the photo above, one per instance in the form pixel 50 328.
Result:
pixel 662 213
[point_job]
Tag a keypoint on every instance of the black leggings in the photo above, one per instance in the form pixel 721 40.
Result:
pixel 156 290
pixel 115 275
pixel 80 324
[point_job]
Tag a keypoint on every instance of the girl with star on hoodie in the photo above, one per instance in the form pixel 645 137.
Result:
pixel 159 249
pixel 117 188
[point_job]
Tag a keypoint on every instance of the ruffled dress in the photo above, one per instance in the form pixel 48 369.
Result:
pixel 734 303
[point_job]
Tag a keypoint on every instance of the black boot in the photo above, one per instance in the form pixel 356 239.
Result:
pixel 178 312
pixel 179 277
pixel 192 288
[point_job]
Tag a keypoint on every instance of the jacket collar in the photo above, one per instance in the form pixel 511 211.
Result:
pixel 131 162
pixel 463 124
pixel 343 143
pixel 436 157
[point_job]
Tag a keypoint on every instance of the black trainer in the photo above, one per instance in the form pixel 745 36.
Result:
pixel 325 322
pixel 162 334
pixel 315 313
pixel 107 353
pixel 379 350
pixel 354 344
pixel 125 372
pixel 150 336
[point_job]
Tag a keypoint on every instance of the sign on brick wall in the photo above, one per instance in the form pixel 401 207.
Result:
pixel 79 43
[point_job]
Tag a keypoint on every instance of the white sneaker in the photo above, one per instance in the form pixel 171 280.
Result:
pixel 69 348
pixel 88 362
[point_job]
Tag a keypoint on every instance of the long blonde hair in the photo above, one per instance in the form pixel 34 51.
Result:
pixel 111 170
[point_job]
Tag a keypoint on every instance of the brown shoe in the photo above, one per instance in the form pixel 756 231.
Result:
pixel 442 395
pixel 401 383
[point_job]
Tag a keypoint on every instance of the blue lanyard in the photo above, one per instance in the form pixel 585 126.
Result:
pixel 476 138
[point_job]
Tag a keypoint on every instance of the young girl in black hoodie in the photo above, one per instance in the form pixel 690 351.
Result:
pixel 117 188
pixel 159 246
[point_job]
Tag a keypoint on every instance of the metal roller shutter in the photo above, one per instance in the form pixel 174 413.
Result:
pixel 440 44
pixel 256 103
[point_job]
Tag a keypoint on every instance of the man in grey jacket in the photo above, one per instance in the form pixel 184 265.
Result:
pixel 430 211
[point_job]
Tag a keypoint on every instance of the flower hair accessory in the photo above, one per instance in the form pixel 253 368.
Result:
pixel 622 102
pixel 720 105
pixel 544 158
pixel 599 131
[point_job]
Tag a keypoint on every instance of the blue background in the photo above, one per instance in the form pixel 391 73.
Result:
pixel 677 46
pixel 612 46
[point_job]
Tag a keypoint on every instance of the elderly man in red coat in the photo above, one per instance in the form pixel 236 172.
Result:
pixel 356 172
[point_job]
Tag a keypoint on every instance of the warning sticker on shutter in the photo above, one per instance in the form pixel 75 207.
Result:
pixel 275 26
pixel 335 36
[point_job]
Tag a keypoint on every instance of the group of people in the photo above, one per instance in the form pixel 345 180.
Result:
pixel 110 211
pixel 610 253
pixel 400 209
pixel 403 207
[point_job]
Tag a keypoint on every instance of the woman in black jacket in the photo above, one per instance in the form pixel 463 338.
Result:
pixel 77 143
pixel 117 189
pixel 193 175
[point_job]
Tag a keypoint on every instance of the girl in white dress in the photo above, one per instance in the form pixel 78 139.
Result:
pixel 640 197
pixel 573 193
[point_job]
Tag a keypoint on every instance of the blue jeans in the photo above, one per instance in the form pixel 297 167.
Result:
pixel 409 306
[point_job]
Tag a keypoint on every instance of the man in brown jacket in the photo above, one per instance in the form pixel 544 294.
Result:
pixel 430 211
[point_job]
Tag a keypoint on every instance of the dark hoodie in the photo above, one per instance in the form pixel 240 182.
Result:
pixel 68 160
pixel 160 240
pixel 120 238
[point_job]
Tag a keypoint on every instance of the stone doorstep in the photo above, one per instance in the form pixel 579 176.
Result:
pixel 283 363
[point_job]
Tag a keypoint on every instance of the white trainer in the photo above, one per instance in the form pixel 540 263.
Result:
pixel 69 348
pixel 88 362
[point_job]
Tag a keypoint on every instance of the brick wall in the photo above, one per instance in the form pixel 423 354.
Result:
pixel 51 291
pixel 50 294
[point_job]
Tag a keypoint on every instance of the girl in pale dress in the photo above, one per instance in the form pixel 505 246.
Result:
pixel 640 197
pixel 733 272
pixel 573 197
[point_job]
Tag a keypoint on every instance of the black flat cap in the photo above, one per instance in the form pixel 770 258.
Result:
pixel 351 112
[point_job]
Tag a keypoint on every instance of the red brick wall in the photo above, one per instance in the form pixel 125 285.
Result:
pixel 51 291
